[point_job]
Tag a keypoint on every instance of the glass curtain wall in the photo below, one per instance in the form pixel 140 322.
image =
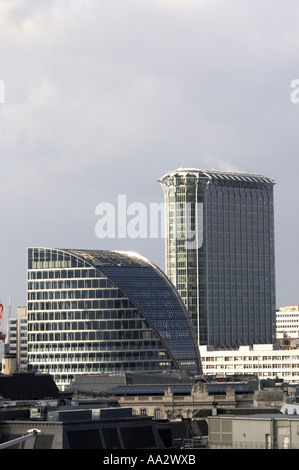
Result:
pixel 80 321
pixel 227 280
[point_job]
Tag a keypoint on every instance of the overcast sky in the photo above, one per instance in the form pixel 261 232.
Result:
pixel 103 97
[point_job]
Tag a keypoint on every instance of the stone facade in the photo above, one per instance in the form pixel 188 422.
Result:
pixel 172 406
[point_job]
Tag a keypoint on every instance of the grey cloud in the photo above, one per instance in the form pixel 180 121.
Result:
pixel 103 97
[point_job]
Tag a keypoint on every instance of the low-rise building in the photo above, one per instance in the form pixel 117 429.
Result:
pixel 181 397
pixel 260 431
pixel 262 360
pixel 287 327
pixel 32 402
pixel 89 426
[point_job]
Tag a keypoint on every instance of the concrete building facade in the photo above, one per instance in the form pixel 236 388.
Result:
pixel 263 360
pixel 287 322
pixel 17 338
pixel 276 431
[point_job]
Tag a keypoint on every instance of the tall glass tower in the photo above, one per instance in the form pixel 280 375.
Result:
pixel 220 253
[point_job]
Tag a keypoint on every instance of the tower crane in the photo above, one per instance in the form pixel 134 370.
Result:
pixel 2 335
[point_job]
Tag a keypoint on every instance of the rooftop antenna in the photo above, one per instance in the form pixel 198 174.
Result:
pixel 9 306
pixel 2 335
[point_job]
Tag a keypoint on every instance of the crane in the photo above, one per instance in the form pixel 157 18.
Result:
pixel 2 335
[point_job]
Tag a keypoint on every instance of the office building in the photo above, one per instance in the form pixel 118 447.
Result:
pixel 104 311
pixel 220 253
pixel 266 361
pixel 287 322
pixel 17 333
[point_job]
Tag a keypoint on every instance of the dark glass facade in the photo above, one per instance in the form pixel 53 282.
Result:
pixel 102 311
pixel 226 278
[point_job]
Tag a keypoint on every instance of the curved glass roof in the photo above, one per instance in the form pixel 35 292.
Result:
pixel 156 298
pixel 110 258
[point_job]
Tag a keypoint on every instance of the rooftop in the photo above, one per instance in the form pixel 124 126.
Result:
pixel 111 258
pixel 217 175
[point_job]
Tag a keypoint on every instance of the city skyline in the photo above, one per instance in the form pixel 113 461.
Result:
pixel 97 104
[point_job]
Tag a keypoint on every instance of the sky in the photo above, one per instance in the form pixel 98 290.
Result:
pixel 100 98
